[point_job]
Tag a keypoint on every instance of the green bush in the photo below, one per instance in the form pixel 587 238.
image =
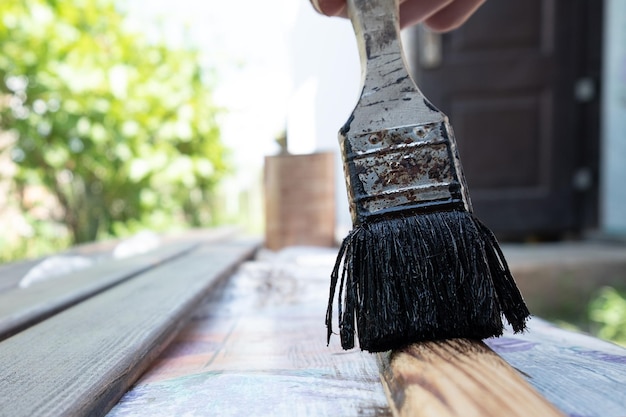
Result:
pixel 608 312
pixel 120 131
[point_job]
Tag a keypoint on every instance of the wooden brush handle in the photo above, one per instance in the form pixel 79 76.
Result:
pixel 389 97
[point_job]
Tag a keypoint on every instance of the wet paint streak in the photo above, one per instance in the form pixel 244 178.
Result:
pixel 508 345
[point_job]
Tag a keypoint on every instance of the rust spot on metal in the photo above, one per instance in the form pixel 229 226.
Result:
pixel 393 168
pixel 423 130
pixel 376 138
pixel 405 168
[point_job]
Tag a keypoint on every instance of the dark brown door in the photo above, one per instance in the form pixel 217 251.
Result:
pixel 519 82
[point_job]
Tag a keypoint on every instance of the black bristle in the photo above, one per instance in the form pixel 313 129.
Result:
pixel 426 276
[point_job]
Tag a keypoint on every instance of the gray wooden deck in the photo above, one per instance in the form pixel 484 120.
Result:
pixel 198 327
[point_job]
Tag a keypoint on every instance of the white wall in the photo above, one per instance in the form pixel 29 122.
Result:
pixel 326 78
pixel 613 124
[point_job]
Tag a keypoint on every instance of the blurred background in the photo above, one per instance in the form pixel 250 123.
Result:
pixel 122 116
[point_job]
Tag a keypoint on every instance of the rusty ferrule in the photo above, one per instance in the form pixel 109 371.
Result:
pixel 410 168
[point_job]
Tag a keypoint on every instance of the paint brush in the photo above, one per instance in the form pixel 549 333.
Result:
pixel 418 265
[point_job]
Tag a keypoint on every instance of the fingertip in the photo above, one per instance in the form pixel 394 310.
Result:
pixel 453 16
pixel 330 7
pixel 438 25
pixel 416 11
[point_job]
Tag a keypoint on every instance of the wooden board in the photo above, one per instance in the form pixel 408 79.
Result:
pixel 578 374
pixel 257 348
pixel 457 377
pixel 80 361
pixel 23 307
pixel 12 273
pixel 102 251
pixel 581 375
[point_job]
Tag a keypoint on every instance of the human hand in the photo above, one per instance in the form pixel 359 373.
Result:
pixel 439 15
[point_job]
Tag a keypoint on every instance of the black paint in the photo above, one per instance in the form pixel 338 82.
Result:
pixel 431 106
pixel 346 127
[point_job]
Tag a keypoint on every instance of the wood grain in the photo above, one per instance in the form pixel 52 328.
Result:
pixel 80 361
pixel 256 347
pixel 257 344
pixel 102 251
pixel 457 377
pixel 579 374
pixel 23 307
pixel 11 273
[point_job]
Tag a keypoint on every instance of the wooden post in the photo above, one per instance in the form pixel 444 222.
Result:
pixel 299 200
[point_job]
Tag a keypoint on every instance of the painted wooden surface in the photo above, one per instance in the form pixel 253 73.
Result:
pixel 457 377
pixel 255 345
pixel 581 375
pixel 23 307
pixel 80 361
pixel 257 348
pixel 108 263
pixel 12 273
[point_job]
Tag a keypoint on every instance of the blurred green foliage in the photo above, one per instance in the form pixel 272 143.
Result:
pixel 608 311
pixel 121 131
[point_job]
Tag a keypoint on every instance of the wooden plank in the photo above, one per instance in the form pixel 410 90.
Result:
pixel 581 375
pixel 457 377
pixel 101 251
pixel 257 347
pixel 12 273
pixel 23 307
pixel 80 361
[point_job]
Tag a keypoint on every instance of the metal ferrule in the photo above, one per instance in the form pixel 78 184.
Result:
pixel 410 168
